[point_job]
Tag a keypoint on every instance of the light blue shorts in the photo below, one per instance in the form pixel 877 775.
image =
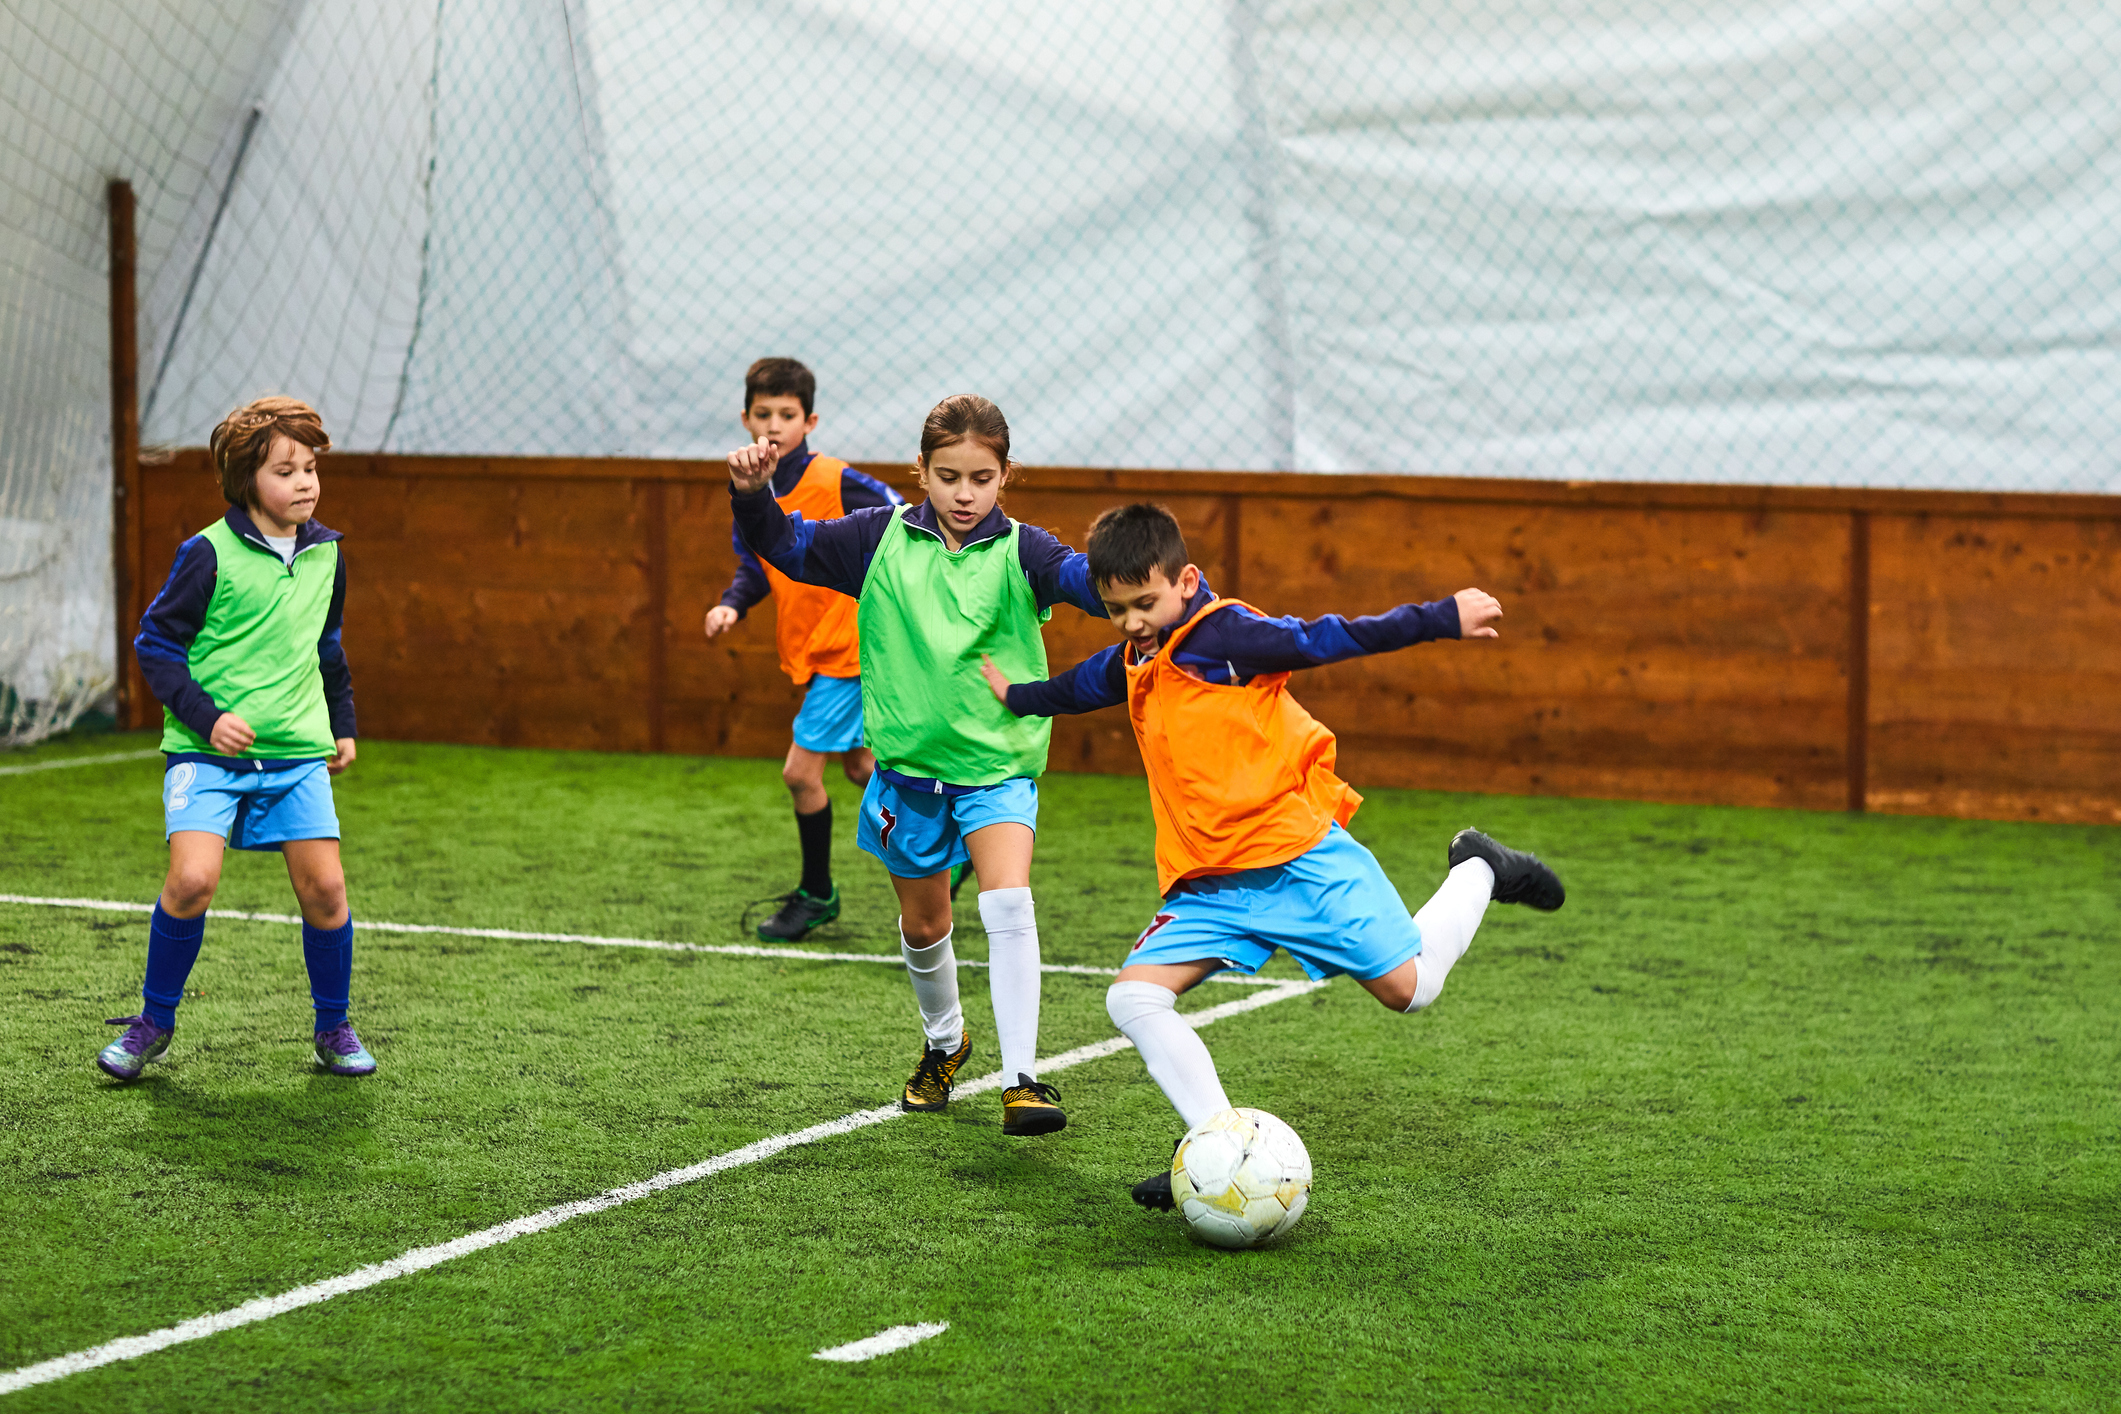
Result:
pixel 918 834
pixel 1331 908
pixel 250 808
pixel 831 718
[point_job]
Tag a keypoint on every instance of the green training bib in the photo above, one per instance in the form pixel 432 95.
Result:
pixel 256 654
pixel 926 615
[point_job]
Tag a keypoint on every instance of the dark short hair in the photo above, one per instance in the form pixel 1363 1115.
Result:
pixel 1127 542
pixel 244 439
pixel 780 378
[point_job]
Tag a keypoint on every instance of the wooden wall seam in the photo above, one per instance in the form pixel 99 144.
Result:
pixel 1859 661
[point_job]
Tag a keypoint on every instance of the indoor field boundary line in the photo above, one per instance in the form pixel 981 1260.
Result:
pixel 65 762
pixel 590 939
pixel 419 1259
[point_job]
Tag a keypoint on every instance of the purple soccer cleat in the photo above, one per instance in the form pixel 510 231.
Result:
pixel 341 1052
pixel 126 1057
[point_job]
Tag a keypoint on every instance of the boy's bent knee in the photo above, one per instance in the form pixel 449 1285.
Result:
pixel 1129 1002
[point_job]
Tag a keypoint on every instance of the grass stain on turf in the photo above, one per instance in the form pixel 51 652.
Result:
pixel 1784 1110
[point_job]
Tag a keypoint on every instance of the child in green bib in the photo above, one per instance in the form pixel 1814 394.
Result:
pixel 939 585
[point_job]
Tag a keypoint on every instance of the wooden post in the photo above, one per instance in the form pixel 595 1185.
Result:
pixel 125 524
pixel 1859 661
pixel 655 566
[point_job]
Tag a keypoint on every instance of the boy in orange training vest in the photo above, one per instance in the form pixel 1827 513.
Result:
pixel 815 630
pixel 1251 853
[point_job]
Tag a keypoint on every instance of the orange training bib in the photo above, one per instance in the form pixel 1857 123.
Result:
pixel 1239 777
pixel 814 627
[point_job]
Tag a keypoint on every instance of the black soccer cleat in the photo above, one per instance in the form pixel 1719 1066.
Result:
pixel 929 1089
pixel 1154 1192
pixel 798 914
pixel 1519 877
pixel 1031 1108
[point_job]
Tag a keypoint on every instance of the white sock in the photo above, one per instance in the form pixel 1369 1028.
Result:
pixel 1177 1058
pixel 1012 976
pixel 1447 922
pixel 934 973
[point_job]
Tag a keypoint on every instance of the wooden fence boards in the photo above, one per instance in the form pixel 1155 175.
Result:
pixel 1684 643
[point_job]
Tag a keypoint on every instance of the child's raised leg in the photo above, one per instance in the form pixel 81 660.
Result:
pixel 327 951
pixel 1482 872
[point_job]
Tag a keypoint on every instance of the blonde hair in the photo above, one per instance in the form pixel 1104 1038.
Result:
pixel 244 438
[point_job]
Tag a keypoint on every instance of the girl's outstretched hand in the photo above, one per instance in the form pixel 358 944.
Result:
pixel 994 678
pixel 1477 612
pixel 751 467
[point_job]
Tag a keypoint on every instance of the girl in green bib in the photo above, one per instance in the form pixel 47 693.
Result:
pixel 941 584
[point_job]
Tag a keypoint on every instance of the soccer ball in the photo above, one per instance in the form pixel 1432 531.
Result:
pixel 1241 1179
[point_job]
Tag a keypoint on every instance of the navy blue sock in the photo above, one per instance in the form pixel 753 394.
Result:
pixel 172 948
pixel 328 953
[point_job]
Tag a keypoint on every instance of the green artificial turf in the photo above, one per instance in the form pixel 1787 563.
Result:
pixel 1783 1111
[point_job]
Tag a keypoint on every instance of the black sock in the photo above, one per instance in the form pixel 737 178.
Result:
pixel 815 831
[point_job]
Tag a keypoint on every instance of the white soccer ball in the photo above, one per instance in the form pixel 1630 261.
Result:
pixel 1241 1179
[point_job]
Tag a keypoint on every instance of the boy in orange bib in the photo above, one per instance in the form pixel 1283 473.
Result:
pixel 1251 847
pixel 814 631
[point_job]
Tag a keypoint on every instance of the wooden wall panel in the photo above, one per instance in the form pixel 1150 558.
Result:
pixel 1683 643
pixel 1996 667
pixel 1695 656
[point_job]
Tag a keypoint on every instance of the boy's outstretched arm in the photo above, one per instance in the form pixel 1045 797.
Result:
pixel 834 554
pixel 1097 682
pixel 1244 643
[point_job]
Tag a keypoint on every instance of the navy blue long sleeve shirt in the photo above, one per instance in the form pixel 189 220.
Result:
pixel 836 553
pixel 1235 645
pixel 857 491
pixel 179 611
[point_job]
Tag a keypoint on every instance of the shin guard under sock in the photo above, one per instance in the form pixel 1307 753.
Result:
pixel 172 949
pixel 1447 922
pixel 1013 977
pixel 934 973
pixel 1177 1058
pixel 814 832
pixel 328 954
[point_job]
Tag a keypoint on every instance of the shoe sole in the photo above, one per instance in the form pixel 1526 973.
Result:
pixel 329 1069
pixel 116 1074
pixel 1041 1122
pixel 918 1107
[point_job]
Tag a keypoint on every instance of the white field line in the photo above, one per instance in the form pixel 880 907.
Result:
pixel 510 935
pixel 421 1258
pixel 62 764
pixel 883 1342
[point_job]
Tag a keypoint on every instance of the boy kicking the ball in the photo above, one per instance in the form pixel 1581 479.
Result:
pixel 815 631
pixel 242 649
pixel 1251 849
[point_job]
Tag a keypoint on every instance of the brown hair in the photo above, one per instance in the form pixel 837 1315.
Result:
pixel 244 438
pixel 780 378
pixel 1127 542
pixel 967 417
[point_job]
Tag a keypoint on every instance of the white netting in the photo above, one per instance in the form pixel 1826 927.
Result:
pixel 1726 240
